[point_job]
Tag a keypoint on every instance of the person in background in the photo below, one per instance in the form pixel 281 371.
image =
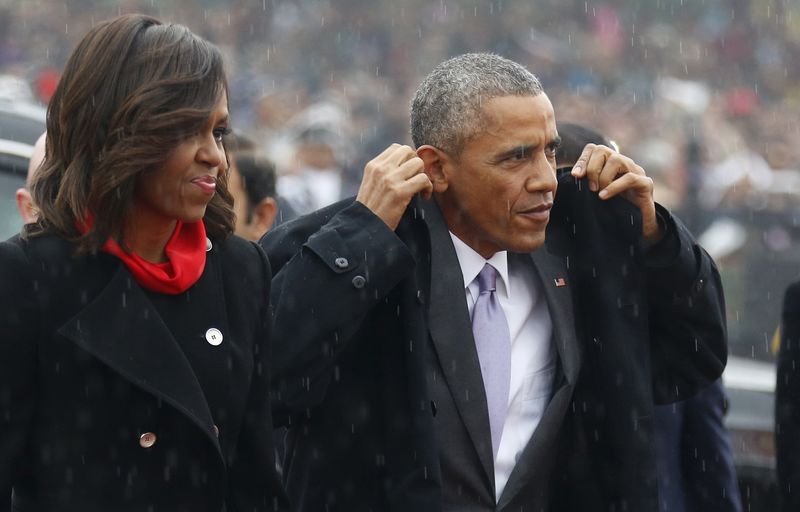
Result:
pixel 24 201
pixel 694 458
pixel 318 178
pixel 460 337
pixel 135 330
pixel 252 185
pixel 787 402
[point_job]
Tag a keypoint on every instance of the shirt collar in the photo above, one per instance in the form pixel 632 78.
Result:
pixel 472 263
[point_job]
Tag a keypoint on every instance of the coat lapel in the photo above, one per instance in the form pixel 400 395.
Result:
pixel 534 470
pixel 534 466
pixel 557 288
pixel 451 332
pixel 121 328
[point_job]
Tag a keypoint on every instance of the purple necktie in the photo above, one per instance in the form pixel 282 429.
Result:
pixel 493 343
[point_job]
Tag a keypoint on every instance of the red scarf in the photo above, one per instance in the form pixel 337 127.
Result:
pixel 186 255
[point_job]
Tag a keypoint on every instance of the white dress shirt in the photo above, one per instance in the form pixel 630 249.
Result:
pixel 533 355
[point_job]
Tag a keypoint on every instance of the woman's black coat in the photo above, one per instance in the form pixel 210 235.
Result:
pixel 95 369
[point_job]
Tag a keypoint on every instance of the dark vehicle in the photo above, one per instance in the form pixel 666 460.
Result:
pixel 758 255
pixel 750 385
pixel 20 125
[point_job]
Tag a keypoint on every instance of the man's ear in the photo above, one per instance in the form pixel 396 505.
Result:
pixel 263 216
pixel 435 161
pixel 25 206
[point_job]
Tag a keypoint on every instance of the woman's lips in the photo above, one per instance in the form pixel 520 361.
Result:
pixel 207 184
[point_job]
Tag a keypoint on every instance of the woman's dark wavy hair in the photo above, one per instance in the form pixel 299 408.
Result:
pixel 131 91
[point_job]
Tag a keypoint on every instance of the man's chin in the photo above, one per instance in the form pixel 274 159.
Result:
pixel 526 243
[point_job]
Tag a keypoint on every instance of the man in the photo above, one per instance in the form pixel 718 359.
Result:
pixel 23 195
pixel 397 400
pixel 319 176
pixel 694 458
pixel 252 185
pixel 787 402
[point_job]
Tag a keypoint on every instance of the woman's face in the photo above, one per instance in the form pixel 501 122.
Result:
pixel 185 183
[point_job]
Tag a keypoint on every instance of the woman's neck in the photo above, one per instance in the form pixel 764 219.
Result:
pixel 148 235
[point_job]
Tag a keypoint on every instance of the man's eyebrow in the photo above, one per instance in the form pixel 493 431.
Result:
pixel 525 149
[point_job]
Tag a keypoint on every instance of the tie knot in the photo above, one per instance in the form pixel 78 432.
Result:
pixel 487 279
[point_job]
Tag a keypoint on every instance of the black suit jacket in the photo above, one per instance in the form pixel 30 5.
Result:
pixel 695 459
pixel 91 362
pixel 787 402
pixel 378 379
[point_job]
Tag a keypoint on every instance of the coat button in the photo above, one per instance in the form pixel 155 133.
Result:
pixel 215 429
pixel 420 297
pixel 147 440
pixel 214 336
pixel 359 282
pixel 341 262
pixel 209 245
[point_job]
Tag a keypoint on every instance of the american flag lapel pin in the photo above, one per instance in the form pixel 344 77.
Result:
pixel 560 282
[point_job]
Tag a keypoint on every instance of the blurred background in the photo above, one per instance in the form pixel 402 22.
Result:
pixel 704 94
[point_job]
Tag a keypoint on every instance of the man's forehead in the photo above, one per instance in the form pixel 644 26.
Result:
pixel 520 108
pixel 512 117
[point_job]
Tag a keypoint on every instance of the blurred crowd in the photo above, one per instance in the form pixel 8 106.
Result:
pixel 702 94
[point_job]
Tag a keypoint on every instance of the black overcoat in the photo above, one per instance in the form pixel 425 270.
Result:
pixel 378 378
pixel 113 398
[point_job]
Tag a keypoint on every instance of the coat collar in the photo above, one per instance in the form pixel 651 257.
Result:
pixel 121 328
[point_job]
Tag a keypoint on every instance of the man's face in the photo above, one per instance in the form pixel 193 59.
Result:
pixel 252 220
pixel 500 189
pixel 241 203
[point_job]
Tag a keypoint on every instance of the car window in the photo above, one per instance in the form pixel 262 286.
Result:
pixel 20 128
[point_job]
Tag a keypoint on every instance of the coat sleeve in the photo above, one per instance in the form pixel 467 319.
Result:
pixel 331 268
pixel 253 477
pixel 710 468
pixel 18 339
pixel 687 315
pixel 787 402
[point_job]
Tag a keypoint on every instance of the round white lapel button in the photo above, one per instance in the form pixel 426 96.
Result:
pixel 209 245
pixel 214 336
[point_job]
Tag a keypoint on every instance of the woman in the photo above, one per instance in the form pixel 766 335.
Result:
pixel 134 368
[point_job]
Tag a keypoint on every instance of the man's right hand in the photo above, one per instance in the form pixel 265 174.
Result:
pixel 390 181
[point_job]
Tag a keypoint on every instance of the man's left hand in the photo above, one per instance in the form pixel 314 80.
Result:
pixel 611 173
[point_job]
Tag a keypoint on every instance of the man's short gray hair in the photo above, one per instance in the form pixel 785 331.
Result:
pixel 447 108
